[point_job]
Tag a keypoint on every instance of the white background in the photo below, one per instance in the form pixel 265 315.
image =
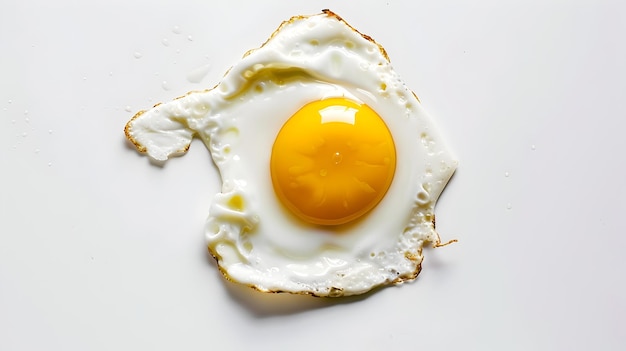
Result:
pixel 101 250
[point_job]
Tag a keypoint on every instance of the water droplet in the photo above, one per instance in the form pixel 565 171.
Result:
pixel 137 55
pixel 10 101
pixel 127 109
pixel 506 174
pixel 178 51
pixel 532 147
pixel 323 172
pixel 110 74
pixel 49 131
pixel 509 206
pixel 24 135
pixel 13 121
pixel 190 38
pixel 49 164
pixel 36 151
pixel 25 112
pixel 165 85
pixel 176 30
pixel 165 42
pixel 84 78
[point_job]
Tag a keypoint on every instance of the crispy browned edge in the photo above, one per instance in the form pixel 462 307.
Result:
pixel 338 292
pixel 334 292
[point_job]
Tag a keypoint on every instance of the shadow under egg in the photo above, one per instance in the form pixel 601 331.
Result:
pixel 268 304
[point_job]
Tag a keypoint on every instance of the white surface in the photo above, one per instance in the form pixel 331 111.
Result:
pixel 101 250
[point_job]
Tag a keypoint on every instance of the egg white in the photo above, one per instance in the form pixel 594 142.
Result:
pixel 257 241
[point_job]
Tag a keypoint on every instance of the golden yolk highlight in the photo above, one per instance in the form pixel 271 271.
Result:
pixel 332 161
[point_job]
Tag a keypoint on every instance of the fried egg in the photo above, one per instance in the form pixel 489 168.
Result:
pixel 330 166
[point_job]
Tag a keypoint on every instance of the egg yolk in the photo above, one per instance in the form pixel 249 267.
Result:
pixel 332 161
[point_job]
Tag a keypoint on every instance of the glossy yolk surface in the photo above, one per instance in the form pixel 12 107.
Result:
pixel 332 161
